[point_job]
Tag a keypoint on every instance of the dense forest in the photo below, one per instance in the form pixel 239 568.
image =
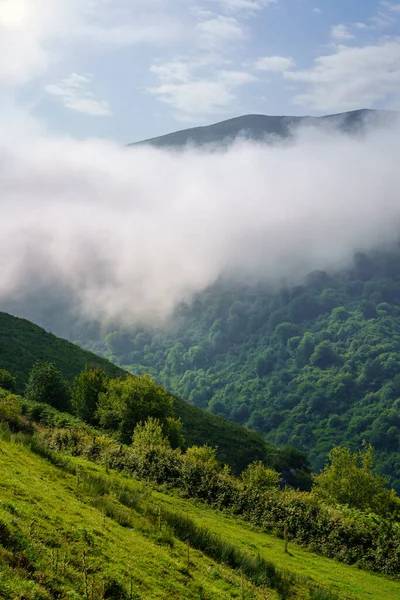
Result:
pixel 311 365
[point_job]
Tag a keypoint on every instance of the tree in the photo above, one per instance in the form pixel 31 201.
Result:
pixel 149 436
pixel 259 478
pixel 285 331
pixel 127 402
pixel 7 381
pixel 46 384
pixel 87 387
pixel 204 455
pixel 350 479
pixel 324 355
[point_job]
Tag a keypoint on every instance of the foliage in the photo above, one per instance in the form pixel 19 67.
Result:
pixel 22 343
pixel 47 385
pixel 87 387
pixel 148 436
pixel 7 381
pixel 349 479
pixel 347 534
pixel 127 402
pixel 311 366
pixel 10 409
pixel 260 478
pixel 203 455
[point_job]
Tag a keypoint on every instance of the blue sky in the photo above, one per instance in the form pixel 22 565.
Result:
pixel 132 69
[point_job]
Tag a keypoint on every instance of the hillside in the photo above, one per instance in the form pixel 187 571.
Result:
pixel 310 366
pixel 70 527
pixel 258 127
pixel 22 343
pixel 57 542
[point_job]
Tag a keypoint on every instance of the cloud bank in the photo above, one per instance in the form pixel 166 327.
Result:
pixel 130 233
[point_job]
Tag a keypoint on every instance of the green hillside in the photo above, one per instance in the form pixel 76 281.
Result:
pixel 71 527
pixel 57 542
pixel 22 343
pixel 310 366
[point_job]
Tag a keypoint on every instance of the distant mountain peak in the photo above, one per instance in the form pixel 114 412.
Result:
pixel 258 127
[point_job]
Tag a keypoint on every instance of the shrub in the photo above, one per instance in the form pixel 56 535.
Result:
pixel 7 381
pixel 47 385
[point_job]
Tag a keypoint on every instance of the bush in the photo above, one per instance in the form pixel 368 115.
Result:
pixel 47 385
pixel 7 381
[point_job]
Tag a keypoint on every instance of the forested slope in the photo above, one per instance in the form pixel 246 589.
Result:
pixel 311 366
pixel 22 344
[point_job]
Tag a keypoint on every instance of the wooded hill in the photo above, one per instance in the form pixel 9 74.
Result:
pixel 311 366
pixel 22 344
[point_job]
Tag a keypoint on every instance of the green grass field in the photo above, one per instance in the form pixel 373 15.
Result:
pixel 347 581
pixel 74 537
pixel 62 530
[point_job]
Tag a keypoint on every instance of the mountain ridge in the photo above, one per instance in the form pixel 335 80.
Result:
pixel 258 127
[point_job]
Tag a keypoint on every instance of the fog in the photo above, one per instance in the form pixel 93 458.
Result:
pixel 131 232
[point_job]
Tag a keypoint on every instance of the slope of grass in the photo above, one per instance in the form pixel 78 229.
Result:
pixel 346 581
pixel 303 570
pixel 22 343
pixel 56 542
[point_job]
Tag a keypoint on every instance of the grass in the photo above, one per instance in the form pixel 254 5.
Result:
pixel 69 527
pixel 346 580
pixel 335 578
pixel 66 545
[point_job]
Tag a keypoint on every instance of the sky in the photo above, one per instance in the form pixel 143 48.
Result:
pixel 126 70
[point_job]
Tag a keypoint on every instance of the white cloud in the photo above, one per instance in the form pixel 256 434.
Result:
pixel 173 71
pixel 386 16
pixel 193 91
pixel 317 11
pixel 28 27
pixel 132 233
pixel 275 63
pixel 220 30
pixel 73 93
pixel 37 33
pixel 392 7
pixel 341 32
pixel 249 6
pixel 351 77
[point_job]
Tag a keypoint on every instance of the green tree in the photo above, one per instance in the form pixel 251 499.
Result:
pixel 148 436
pixel 204 455
pixel 7 381
pixel 285 331
pixel 127 402
pixel 260 478
pixel 46 384
pixel 86 389
pixel 350 479
pixel 324 355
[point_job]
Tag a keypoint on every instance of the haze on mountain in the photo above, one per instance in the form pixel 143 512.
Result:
pixel 110 232
pixel 264 128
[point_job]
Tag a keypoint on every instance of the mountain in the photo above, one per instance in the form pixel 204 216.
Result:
pixel 259 127
pixel 311 366
pixel 22 343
